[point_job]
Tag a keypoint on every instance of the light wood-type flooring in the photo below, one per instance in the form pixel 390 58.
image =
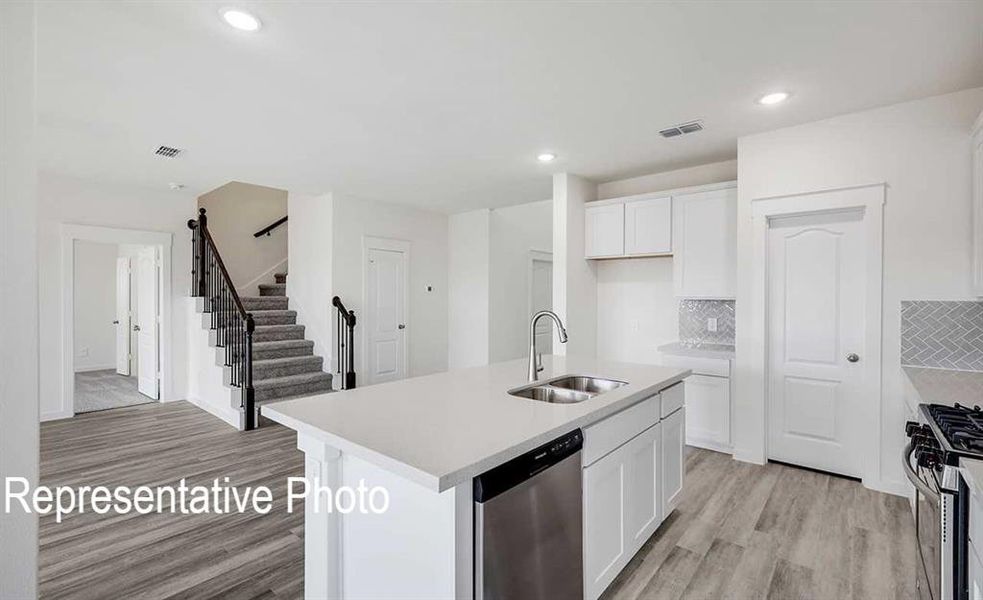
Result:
pixel 741 531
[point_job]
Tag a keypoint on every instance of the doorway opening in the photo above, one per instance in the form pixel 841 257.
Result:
pixel 116 312
pixel 116 325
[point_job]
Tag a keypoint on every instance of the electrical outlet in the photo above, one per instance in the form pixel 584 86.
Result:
pixel 84 352
pixel 712 324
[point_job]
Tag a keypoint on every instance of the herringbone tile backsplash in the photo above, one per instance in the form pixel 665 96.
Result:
pixel 693 315
pixel 943 334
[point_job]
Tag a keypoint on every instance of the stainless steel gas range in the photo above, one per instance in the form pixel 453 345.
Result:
pixel 941 436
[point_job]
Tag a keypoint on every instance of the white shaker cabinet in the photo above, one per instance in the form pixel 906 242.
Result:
pixel 648 226
pixel 705 244
pixel 673 468
pixel 604 231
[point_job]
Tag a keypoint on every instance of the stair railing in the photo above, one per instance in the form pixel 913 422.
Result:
pixel 269 228
pixel 233 326
pixel 346 343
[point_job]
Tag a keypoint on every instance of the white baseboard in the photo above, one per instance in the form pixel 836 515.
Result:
pixel 226 413
pixel 57 415
pixel 95 368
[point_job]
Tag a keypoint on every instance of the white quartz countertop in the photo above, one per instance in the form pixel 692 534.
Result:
pixel 943 386
pixel 725 351
pixel 442 430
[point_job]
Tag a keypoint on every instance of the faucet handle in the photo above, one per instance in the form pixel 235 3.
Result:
pixel 539 362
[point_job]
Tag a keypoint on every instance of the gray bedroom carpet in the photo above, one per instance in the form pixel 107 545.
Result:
pixel 100 390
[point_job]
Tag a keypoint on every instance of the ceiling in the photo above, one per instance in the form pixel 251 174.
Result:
pixel 445 106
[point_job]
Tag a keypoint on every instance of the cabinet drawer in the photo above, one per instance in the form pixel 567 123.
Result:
pixel 601 438
pixel 717 367
pixel 672 399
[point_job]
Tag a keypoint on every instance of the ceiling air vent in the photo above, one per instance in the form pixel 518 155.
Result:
pixel 167 151
pixel 689 127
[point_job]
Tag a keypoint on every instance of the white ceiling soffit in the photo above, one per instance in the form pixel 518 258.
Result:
pixel 446 106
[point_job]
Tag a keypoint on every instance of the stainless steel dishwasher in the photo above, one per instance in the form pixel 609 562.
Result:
pixel 528 525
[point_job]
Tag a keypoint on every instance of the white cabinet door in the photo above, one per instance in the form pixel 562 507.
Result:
pixel 673 469
pixel 643 488
pixel 648 226
pixel 604 522
pixel 975 574
pixel 604 231
pixel 708 407
pixel 705 244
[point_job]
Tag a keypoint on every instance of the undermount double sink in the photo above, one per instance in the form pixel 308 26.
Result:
pixel 566 389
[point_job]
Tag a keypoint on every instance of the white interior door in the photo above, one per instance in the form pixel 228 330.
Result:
pixel 385 315
pixel 816 333
pixel 541 298
pixel 123 315
pixel 146 322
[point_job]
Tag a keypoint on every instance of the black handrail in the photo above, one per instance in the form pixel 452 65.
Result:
pixel 266 230
pixel 346 341
pixel 233 326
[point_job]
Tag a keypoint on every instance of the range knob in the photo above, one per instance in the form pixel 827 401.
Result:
pixel 912 428
pixel 928 458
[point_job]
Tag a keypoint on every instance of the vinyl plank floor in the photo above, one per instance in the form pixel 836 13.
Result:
pixel 741 531
pixel 747 531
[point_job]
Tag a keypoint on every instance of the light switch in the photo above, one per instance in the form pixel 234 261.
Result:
pixel 712 324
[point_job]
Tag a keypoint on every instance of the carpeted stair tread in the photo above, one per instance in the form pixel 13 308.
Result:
pixel 282 349
pixel 280 277
pixel 274 317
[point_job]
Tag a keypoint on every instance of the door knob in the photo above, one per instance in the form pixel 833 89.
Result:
pixel 402 326
pixel 115 322
pixel 852 357
pixel 136 328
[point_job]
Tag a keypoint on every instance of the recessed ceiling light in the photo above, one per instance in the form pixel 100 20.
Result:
pixel 241 20
pixel 773 98
pixel 546 157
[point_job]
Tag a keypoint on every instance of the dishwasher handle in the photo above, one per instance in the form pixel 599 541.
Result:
pixel 526 466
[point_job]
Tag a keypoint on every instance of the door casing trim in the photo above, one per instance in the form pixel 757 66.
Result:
pixel 395 245
pixel 871 199
pixel 162 240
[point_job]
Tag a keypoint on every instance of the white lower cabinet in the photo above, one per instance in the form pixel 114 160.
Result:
pixel 673 468
pixel 625 498
pixel 975 574
pixel 708 404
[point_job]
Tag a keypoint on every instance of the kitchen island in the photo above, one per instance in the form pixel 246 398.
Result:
pixel 424 439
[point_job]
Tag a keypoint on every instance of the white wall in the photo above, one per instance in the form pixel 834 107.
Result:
pixel 718 172
pixel 64 199
pixel 468 277
pixel 921 149
pixel 515 231
pixel 95 306
pixel 574 278
pixel 326 235
pixel 427 234
pixel 235 212
pixel 637 308
pixel 309 285
pixel 18 293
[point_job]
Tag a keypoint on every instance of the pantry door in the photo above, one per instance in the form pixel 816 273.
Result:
pixel 148 323
pixel 385 309
pixel 816 321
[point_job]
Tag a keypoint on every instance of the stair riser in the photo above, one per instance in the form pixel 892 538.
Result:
pixel 272 290
pixel 318 387
pixel 265 303
pixel 277 336
pixel 259 373
pixel 282 353
pixel 280 278
pixel 275 319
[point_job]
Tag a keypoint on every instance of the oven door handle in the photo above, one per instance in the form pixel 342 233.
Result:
pixel 913 477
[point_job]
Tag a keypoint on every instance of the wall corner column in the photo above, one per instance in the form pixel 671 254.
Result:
pixel 574 277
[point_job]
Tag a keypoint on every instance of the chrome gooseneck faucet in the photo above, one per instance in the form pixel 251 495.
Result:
pixel 536 361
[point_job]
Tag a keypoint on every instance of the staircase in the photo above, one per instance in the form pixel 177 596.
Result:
pixel 261 350
pixel 284 364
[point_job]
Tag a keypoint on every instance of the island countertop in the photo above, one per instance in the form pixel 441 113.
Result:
pixel 443 429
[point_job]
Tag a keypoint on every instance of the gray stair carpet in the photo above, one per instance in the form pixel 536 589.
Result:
pixel 284 363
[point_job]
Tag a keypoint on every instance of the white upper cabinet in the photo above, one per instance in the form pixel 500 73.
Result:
pixel 705 244
pixel 648 226
pixel 604 231
pixel 978 207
